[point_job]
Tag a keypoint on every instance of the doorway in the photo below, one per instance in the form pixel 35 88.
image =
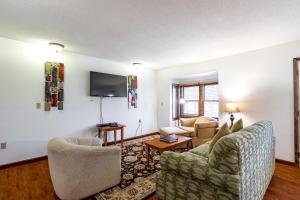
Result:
pixel 296 109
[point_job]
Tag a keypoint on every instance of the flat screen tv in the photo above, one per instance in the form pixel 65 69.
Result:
pixel 107 85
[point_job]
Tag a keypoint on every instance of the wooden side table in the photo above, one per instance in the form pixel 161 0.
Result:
pixel 105 130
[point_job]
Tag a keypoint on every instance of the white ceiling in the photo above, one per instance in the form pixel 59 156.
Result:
pixel 158 33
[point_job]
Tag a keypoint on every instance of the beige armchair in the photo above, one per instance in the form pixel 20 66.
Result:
pixel 81 167
pixel 201 129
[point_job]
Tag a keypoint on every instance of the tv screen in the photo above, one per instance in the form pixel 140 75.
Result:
pixel 107 85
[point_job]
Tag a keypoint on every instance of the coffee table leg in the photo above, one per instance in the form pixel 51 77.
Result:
pixel 148 154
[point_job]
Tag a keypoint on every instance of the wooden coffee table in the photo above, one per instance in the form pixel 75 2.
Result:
pixel 162 146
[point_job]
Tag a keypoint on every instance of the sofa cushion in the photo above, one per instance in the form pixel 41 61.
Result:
pixel 186 164
pixel 189 122
pixel 201 150
pixel 237 126
pixel 223 131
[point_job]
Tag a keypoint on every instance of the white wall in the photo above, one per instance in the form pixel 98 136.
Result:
pixel 27 130
pixel 260 81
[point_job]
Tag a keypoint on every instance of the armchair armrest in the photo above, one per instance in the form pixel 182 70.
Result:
pixel 88 141
pixel 186 164
pixel 207 124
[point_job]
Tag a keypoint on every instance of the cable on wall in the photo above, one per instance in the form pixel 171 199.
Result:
pixel 101 111
pixel 140 126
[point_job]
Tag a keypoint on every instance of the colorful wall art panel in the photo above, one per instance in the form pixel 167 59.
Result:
pixel 132 91
pixel 54 85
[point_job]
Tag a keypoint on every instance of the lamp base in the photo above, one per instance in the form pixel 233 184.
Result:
pixel 231 119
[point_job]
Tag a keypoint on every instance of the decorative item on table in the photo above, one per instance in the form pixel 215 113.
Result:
pixel 54 85
pixel 231 108
pixel 168 138
pixel 132 91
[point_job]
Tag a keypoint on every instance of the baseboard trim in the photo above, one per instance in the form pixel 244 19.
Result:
pixel 133 138
pixel 22 162
pixel 285 162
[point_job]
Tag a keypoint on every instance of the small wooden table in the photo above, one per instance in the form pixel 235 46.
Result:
pixel 105 129
pixel 162 146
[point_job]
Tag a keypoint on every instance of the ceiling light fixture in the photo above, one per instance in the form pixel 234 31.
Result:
pixel 56 46
pixel 136 64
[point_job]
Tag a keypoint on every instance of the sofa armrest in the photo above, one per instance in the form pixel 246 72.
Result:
pixel 186 164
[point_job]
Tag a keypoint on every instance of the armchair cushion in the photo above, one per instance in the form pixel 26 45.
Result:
pixel 191 130
pixel 173 130
pixel 206 122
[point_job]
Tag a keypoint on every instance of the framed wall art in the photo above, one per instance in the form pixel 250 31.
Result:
pixel 132 91
pixel 54 85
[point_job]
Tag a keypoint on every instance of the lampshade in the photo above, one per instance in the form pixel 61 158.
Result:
pixel 232 108
pixel 181 100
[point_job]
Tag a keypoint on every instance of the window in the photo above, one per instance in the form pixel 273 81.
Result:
pixel 211 101
pixel 200 99
pixel 191 97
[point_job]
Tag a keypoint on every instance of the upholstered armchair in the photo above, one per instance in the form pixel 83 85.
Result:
pixel 188 124
pixel 81 167
pixel 205 129
pixel 201 129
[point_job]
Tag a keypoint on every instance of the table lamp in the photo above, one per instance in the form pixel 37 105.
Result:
pixel 181 101
pixel 232 108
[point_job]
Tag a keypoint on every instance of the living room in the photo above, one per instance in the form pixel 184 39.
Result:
pixel 158 49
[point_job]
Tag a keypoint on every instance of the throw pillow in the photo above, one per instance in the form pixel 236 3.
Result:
pixel 223 131
pixel 189 122
pixel 237 126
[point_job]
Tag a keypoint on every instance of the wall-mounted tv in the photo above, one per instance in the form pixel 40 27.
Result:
pixel 107 85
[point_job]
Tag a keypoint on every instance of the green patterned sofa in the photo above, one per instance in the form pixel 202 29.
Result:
pixel 240 166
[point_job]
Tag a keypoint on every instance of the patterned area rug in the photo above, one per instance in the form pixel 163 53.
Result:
pixel 137 178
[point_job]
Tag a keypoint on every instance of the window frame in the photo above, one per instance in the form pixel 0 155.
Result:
pixel 180 93
pixel 187 115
